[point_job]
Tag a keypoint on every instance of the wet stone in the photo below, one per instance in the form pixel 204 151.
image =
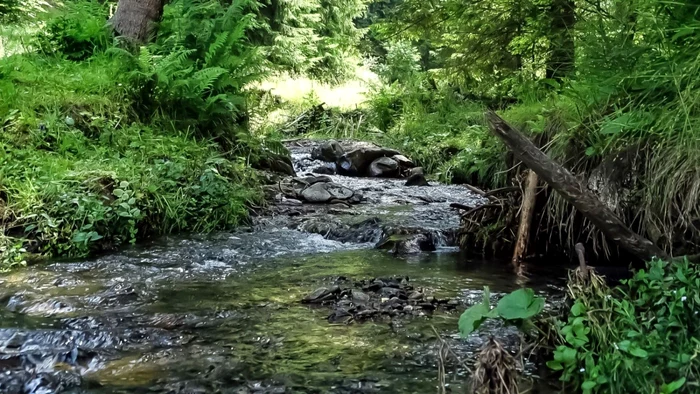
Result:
pixel 416 180
pixel 384 167
pixel 329 151
pixel 390 292
pixel 359 297
pixel 325 169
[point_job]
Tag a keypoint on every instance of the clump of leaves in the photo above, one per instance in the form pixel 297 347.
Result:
pixel 642 337
pixel 76 31
pixel 495 371
pixel 518 308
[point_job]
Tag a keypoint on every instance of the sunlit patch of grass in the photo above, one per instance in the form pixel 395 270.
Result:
pixel 346 96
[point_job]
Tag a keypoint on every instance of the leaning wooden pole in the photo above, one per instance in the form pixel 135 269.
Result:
pixel 527 207
pixel 564 183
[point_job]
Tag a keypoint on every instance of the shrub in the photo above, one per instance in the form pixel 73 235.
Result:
pixel 76 31
pixel 640 338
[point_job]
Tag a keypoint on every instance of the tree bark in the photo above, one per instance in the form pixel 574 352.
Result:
pixel 564 183
pixel 561 59
pixel 135 19
pixel 526 209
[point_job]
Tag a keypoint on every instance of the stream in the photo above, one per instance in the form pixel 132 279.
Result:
pixel 221 313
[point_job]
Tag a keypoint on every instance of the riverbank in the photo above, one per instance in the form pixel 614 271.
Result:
pixel 81 173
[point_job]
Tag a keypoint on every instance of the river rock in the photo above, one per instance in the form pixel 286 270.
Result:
pixel 403 161
pixel 417 180
pixel 357 161
pixel 384 167
pixel 326 169
pixel 390 291
pixel 276 162
pixel 323 192
pixel 310 180
pixel 358 297
pixel 339 192
pixel 321 294
pixel 340 315
pixel 416 170
pixel 416 295
pixel 404 244
pixel 316 193
pixel 329 151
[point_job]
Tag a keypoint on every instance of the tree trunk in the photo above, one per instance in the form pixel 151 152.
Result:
pixel 564 183
pixel 561 59
pixel 526 209
pixel 135 19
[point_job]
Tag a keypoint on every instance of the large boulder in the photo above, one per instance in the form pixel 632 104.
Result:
pixel 329 151
pixel 357 161
pixel 339 192
pixel 384 167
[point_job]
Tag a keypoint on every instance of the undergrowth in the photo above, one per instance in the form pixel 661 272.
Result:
pixel 638 338
pixel 101 148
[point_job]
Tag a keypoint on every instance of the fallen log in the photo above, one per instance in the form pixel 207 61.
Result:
pixel 527 207
pixel 564 183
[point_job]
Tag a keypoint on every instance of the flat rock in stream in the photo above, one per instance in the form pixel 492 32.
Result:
pixel 323 192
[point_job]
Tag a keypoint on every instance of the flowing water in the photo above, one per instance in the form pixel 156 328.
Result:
pixel 222 313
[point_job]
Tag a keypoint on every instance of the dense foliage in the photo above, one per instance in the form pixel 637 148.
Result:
pixel 642 337
pixel 104 144
pixel 590 82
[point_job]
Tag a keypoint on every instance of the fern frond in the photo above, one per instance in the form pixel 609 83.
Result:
pixel 215 47
pixel 206 77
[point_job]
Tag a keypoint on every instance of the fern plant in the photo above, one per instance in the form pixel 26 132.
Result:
pixel 194 74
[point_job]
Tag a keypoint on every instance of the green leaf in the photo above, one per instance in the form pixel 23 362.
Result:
pixel 578 309
pixel 682 32
pixel 588 385
pixel 554 365
pixel 624 345
pixel 681 276
pixel 520 304
pixel 637 352
pixel 673 386
pixel 472 318
pixel 565 355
